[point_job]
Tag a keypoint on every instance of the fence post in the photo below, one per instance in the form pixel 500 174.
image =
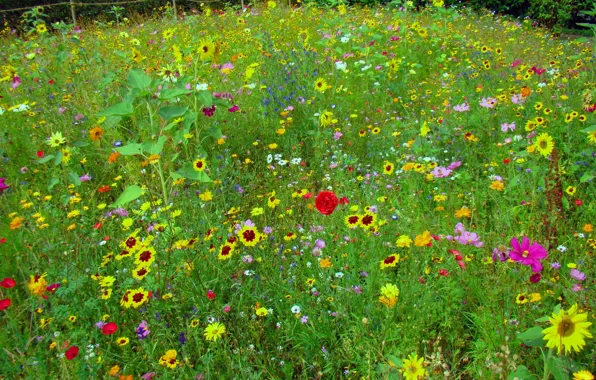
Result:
pixel 72 13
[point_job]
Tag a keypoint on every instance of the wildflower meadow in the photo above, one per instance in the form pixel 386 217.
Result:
pixel 299 192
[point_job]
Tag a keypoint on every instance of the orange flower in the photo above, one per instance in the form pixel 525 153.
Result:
pixel 16 223
pixel 325 263
pixel 96 133
pixel 525 91
pixel 588 228
pixel 113 157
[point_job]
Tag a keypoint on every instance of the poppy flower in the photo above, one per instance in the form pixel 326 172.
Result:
pixel 4 304
pixel 326 202
pixel 210 294
pixel 8 283
pixel 72 352
pixel 109 328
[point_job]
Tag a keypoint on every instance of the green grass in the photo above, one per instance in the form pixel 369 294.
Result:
pixel 131 102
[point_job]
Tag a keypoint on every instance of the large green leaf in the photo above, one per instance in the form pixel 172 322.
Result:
pixel 128 195
pixel 169 112
pixel 532 337
pixel 557 368
pixel 74 178
pixel 53 182
pixel 130 149
pixel 521 373
pixel 215 132
pixel 187 171
pixel 137 79
pixel 45 159
pixel 206 98
pixel 154 147
pixel 58 158
pixel 123 108
pixel 172 93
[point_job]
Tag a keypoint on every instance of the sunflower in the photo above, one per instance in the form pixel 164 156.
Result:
pixel 55 140
pixel 199 165
pixel 96 133
pixel 206 49
pixel 568 330
pixel 592 136
pixel 321 85
pixel 544 144
pixel 326 118
pixel 214 331
pixel 41 28
pixel 583 375
pixel 412 367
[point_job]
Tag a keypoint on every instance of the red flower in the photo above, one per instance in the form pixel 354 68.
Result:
pixel 8 283
pixel 210 294
pixel 104 189
pixel 40 154
pixel 444 273
pixel 4 304
pixel 307 196
pixel 578 202
pixel 52 288
pixel 72 352
pixel 344 201
pixel 109 328
pixel 2 240
pixel 326 202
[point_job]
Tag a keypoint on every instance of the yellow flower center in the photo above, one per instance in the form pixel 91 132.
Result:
pixel 525 253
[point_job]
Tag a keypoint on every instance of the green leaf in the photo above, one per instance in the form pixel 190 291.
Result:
pixel 395 360
pixel 80 143
pixel 532 337
pixel 45 159
pixel 590 129
pixel 107 80
pixel 556 368
pixel 187 171
pixel 521 373
pixel 74 178
pixel 206 98
pixel 215 132
pixel 137 79
pixel 119 109
pixel 58 158
pixel 173 93
pixel 154 147
pixel 53 182
pixel 171 111
pixel 542 319
pixel 586 177
pixel 130 149
pixel 128 195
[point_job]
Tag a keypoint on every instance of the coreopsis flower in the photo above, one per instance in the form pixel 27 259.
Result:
pixel 38 284
pixel 169 359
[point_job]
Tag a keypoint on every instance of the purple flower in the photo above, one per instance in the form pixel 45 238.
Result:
pixel 267 230
pixel 577 275
pixel 459 228
pixel 182 338
pixel 471 238
pixel 85 178
pixel 440 172
pixel 304 319
pixel 527 254
pixel 337 135
pixel 488 102
pixel 500 254
pixel 454 165
pixel 505 127
pixel 148 376
pixel 209 111
pixel 142 330
pixel 16 82
pixel 3 186
pixel 461 107
pixel 234 108
pixel 100 324
pixel 555 265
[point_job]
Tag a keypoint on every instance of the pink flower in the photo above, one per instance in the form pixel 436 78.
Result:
pixel 488 102
pixel 461 107
pixel 505 127
pixel 527 254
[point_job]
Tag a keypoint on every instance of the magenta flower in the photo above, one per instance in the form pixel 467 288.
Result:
pixel 527 254
pixel 3 186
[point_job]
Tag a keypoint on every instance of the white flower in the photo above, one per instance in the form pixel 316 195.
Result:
pixel 295 309
pixel 295 161
pixel 339 275
pixel 282 162
pixel 202 87
pixel 340 65
pixel 344 39
pixel 269 158
pixel 562 248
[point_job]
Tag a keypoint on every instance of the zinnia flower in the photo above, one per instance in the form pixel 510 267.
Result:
pixel 528 255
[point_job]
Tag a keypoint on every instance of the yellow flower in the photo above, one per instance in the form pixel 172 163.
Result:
pixel 214 331
pixel 403 241
pixel 38 284
pixel 271 4
pixel 422 240
pixel 568 330
pixel 261 312
pixel 169 359
pixel 583 375
pixel 206 196
pixel 544 144
pixel 497 185
pixel 463 212
pixel 114 370
pixel 412 367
